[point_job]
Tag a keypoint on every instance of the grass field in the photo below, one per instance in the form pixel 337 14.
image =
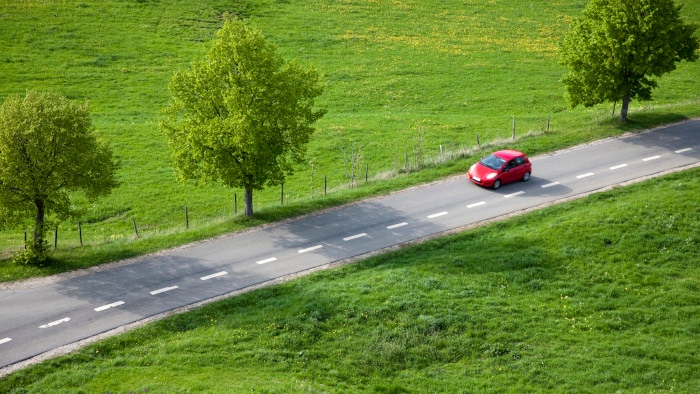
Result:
pixel 597 295
pixel 409 85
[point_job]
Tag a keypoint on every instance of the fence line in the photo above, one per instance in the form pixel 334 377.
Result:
pixel 419 161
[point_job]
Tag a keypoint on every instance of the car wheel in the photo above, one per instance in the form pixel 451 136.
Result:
pixel 496 184
pixel 526 177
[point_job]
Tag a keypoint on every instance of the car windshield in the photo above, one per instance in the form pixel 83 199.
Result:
pixel 493 162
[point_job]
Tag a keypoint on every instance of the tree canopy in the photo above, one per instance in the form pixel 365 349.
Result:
pixel 617 47
pixel 241 115
pixel 48 150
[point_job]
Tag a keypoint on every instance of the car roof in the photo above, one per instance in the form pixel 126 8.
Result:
pixel 508 154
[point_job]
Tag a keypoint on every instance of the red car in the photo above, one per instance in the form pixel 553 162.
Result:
pixel 499 168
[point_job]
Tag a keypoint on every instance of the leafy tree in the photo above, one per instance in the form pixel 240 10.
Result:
pixel 615 49
pixel 48 150
pixel 241 115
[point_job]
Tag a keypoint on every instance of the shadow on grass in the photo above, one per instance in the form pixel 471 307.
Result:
pixel 640 121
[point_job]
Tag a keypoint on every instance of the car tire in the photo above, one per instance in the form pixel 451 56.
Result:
pixel 526 177
pixel 496 184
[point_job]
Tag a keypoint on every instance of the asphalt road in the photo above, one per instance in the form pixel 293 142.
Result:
pixel 37 320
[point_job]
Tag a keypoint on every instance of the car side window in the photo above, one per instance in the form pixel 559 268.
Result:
pixel 519 161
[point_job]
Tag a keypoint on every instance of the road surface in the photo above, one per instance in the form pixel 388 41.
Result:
pixel 34 321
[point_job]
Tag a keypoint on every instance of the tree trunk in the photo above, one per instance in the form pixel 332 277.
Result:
pixel 38 243
pixel 248 202
pixel 623 109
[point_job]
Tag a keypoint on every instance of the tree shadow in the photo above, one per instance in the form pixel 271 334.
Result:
pixel 672 137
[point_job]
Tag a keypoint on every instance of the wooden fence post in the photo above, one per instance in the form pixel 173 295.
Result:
pixel 187 218
pixel 136 230
pixel 80 233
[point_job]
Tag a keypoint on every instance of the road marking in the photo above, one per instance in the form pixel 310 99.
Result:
pixel 684 150
pixel 514 194
pixel 433 216
pixel 222 273
pixel 271 259
pixel 651 158
pixel 476 204
pixel 5 340
pixel 618 167
pixel 355 237
pixel 55 323
pixel 310 249
pixel 112 305
pixel 550 185
pixel 163 290
pixel 397 225
pixel 585 175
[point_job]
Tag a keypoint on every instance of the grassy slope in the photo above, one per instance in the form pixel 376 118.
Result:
pixel 597 295
pixel 404 78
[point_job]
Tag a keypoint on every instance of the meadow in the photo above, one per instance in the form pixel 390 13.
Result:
pixel 601 294
pixel 409 85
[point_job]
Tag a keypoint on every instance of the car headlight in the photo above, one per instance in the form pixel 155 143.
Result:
pixel 491 176
pixel 471 169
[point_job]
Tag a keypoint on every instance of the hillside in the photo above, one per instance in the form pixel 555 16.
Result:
pixel 409 86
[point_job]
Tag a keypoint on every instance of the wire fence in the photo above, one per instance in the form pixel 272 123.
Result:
pixel 356 173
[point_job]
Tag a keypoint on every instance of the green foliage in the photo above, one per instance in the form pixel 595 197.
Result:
pixel 240 114
pixel 615 49
pixel 36 254
pixel 600 294
pixel 402 79
pixel 48 150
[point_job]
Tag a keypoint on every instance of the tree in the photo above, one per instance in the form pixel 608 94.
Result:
pixel 615 49
pixel 48 150
pixel 241 116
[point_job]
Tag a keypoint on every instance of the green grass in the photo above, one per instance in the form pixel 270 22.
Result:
pixel 597 295
pixel 403 79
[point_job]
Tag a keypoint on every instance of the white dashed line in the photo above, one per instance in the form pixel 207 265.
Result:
pixel 585 175
pixel 433 216
pixel 271 259
pixel 55 323
pixel 651 158
pixel 618 167
pixel 222 273
pixel 163 290
pixel 355 237
pixel 112 305
pixel 310 249
pixel 514 194
pixel 476 204
pixel 5 340
pixel 550 185
pixel 684 150
pixel 397 225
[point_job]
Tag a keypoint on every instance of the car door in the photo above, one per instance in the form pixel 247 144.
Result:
pixel 509 172
pixel 520 168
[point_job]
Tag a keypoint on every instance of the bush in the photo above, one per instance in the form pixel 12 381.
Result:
pixel 32 255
